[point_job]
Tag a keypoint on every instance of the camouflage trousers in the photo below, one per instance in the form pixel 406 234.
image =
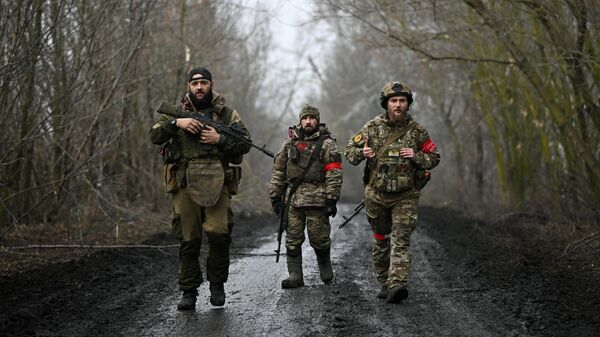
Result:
pixel 392 223
pixel 317 224
pixel 189 221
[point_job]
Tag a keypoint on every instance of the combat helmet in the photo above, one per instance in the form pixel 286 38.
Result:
pixel 310 110
pixel 392 89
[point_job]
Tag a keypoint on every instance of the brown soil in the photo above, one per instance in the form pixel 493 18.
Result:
pixel 513 261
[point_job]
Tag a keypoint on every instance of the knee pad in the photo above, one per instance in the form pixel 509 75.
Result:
pixel 381 224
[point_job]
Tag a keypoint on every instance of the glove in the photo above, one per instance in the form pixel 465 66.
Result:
pixel 277 204
pixel 330 205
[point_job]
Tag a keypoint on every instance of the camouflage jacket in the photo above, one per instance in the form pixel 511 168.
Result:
pixel 188 147
pixel 388 173
pixel 324 178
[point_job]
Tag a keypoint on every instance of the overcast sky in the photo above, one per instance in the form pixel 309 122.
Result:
pixel 295 38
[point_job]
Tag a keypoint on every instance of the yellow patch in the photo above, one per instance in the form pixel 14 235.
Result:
pixel 157 125
pixel 393 153
pixel 357 138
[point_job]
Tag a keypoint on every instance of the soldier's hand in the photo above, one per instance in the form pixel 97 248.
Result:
pixel 331 206
pixel 407 152
pixel 189 124
pixel 367 151
pixel 277 204
pixel 209 135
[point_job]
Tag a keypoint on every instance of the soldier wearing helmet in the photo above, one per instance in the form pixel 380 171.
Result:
pixel 398 152
pixel 310 158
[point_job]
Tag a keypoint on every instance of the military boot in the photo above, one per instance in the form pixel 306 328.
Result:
pixel 217 294
pixel 188 300
pixel 296 278
pixel 383 292
pixel 396 294
pixel 324 262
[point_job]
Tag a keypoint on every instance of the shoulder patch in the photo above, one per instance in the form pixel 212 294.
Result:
pixel 357 138
pixel 156 126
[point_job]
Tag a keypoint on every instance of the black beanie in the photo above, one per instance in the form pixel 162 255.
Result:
pixel 202 71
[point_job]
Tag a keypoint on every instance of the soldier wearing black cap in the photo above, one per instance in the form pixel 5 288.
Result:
pixel 201 175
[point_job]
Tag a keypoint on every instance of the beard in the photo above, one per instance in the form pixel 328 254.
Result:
pixel 309 130
pixel 203 103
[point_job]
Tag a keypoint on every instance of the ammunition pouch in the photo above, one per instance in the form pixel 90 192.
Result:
pixel 422 176
pixel 393 176
pixel 205 179
pixel 170 178
pixel 233 176
pixel 170 152
pixel 293 154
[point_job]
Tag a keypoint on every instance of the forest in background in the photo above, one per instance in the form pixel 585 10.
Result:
pixel 507 89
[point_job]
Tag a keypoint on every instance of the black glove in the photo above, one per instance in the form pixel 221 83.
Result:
pixel 277 204
pixel 330 204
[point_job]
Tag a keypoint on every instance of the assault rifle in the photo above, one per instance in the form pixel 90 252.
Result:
pixel 282 227
pixel 233 132
pixel 357 210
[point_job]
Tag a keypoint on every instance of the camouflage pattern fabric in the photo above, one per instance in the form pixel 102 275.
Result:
pixel 390 196
pixel 309 110
pixel 317 226
pixel 324 178
pixel 323 181
pixel 391 255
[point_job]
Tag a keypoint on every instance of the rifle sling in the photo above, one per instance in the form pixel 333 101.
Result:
pixel 300 179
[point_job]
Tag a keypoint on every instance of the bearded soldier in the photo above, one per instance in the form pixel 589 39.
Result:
pixel 399 152
pixel 308 163
pixel 200 177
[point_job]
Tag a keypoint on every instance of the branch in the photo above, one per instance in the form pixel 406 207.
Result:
pixel 389 34
pixel 580 243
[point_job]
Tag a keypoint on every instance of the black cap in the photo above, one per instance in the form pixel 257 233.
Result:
pixel 202 71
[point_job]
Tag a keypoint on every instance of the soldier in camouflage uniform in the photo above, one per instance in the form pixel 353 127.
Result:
pixel 316 197
pixel 398 151
pixel 199 175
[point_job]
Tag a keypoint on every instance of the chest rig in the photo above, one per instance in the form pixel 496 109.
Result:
pixel 389 172
pixel 299 153
pixel 189 144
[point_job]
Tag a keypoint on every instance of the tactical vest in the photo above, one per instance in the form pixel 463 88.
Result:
pixel 188 144
pixel 392 173
pixel 299 153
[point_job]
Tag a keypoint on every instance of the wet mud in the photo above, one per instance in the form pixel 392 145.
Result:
pixel 469 278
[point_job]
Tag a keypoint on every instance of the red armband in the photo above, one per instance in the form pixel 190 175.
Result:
pixel 333 166
pixel 379 237
pixel 428 146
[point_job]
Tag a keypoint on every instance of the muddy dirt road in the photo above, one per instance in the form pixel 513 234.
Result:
pixel 464 282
